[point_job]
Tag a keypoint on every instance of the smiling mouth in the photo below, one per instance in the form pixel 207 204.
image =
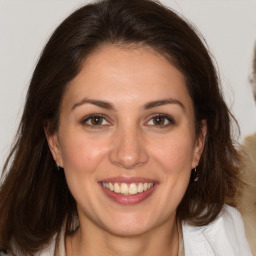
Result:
pixel 127 189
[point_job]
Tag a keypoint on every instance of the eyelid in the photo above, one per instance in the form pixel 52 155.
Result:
pixel 90 116
pixel 162 115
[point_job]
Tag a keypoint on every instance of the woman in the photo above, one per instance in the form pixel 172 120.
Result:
pixel 124 138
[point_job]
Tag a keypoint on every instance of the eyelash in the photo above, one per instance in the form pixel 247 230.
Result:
pixel 103 119
pixel 94 126
pixel 166 117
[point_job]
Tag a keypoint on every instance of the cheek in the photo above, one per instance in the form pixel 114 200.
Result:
pixel 82 155
pixel 175 154
pixel 175 158
pixel 82 160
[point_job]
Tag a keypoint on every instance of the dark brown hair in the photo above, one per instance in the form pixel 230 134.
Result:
pixel 34 197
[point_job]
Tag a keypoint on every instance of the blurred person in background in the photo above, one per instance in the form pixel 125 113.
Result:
pixel 247 195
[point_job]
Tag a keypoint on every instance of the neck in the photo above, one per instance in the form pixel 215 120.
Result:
pixel 162 240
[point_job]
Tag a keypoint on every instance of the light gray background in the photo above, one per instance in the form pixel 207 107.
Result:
pixel 229 27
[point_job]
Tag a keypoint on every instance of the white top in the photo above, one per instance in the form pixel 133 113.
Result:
pixel 225 236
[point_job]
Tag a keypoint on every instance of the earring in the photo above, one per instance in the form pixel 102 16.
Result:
pixel 195 174
pixel 57 166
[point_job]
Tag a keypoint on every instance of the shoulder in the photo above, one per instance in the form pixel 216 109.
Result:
pixel 224 236
pixel 249 145
pixel 246 200
pixel 251 139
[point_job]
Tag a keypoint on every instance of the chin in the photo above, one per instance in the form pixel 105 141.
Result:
pixel 129 225
pixel 128 230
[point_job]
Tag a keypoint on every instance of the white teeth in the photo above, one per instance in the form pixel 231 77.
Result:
pixel 140 188
pixel 124 188
pixel 116 188
pixel 133 189
pixel 111 187
pixel 128 189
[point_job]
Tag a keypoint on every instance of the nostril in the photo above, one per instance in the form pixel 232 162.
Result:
pixel 128 149
pixel 129 161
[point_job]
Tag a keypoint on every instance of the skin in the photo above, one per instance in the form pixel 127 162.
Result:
pixel 129 142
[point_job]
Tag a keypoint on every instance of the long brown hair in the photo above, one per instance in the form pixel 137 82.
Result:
pixel 34 196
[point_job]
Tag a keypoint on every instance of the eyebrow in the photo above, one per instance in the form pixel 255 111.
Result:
pixel 98 103
pixel 109 106
pixel 158 103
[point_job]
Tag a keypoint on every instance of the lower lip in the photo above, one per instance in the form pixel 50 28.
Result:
pixel 130 199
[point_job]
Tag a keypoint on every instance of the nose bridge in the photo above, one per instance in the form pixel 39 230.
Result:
pixel 129 149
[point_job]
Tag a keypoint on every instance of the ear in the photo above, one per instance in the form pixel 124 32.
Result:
pixel 199 144
pixel 54 145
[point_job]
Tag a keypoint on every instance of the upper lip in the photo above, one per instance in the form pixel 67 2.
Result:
pixel 122 179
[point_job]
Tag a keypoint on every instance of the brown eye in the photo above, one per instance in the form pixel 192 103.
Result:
pixel 95 120
pixel 161 121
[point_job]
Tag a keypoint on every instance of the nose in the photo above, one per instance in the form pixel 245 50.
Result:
pixel 128 149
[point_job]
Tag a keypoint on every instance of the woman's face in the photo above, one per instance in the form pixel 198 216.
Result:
pixel 127 124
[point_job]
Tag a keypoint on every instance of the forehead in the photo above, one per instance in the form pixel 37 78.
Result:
pixel 127 74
